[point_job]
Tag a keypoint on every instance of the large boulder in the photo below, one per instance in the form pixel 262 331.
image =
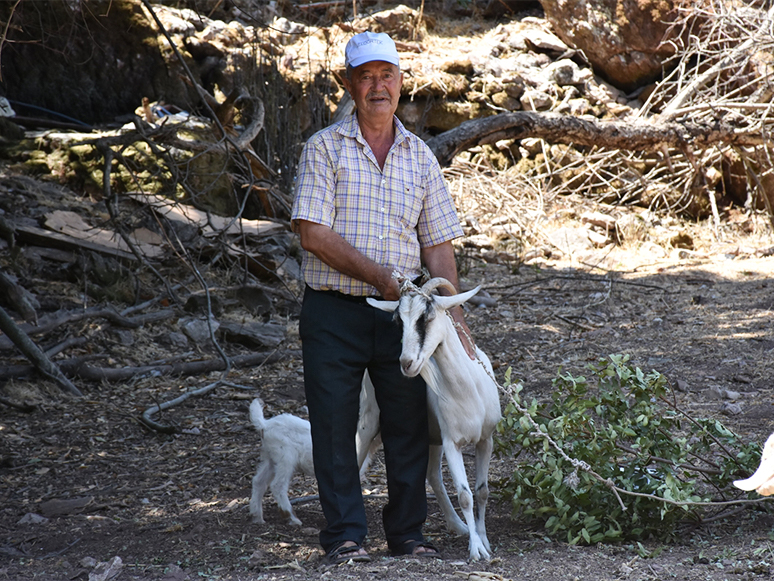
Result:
pixel 623 39
pixel 89 61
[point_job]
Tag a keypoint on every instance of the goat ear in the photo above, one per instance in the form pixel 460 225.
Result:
pixel 456 300
pixel 763 474
pixel 388 306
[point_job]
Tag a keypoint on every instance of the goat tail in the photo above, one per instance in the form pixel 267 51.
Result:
pixel 256 414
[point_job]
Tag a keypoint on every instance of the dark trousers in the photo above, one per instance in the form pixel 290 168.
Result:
pixel 341 338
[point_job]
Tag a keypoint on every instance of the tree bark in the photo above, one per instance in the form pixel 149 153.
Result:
pixel 555 128
pixel 34 354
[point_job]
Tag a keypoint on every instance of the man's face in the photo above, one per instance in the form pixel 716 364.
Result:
pixel 375 88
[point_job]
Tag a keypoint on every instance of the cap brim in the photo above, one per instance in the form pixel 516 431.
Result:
pixel 361 60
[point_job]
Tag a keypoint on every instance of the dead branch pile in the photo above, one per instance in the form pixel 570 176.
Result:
pixel 702 135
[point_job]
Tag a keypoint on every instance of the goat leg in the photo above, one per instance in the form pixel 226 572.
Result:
pixel 435 478
pixel 279 489
pixel 483 455
pixel 263 476
pixel 456 466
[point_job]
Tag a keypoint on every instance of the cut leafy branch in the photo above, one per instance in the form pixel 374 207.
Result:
pixel 615 436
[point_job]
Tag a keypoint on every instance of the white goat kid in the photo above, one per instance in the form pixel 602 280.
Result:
pixel 286 449
pixel 462 396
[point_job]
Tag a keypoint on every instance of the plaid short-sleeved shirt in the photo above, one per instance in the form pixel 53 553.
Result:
pixel 388 215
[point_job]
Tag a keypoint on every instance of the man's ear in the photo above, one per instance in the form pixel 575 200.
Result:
pixel 347 81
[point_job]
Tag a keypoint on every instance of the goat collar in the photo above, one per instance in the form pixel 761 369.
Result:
pixel 407 286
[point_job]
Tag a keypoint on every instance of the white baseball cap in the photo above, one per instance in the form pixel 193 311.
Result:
pixel 370 46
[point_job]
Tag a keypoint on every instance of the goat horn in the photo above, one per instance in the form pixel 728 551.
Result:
pixel 437 282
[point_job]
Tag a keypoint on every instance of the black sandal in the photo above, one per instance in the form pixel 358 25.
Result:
pixel 342 553
pixel 408 548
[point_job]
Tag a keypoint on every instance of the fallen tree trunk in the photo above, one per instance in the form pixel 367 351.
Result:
pixel 78 367
pixel 565 129
pixel 32 352
pixel 118 320
pixel 87 372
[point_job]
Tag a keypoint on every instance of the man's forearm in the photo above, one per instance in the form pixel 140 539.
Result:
pixel 440 261
pixel 330 247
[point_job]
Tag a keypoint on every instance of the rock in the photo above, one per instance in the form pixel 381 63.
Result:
pixel 732 395
pixel 601 93
pixel 457 67
pixel 681 385
pixel 535 100
pixel 482 299
pixel 563 72
pixel 570 240
pixel 174 573
pixel 715 392
pixel 513 86
pixel 599 239
pixel 579 107
pixel 32 519
pixel 505 101
pixel 479 241
pixel 106 571
pixel 254 299
pixel 88 562
pixel 65 506
pixel 252 334
pixel 731 409
pixel 600 220
pixel 123 337
pixel 10 132
pixel 289 29
pixel 533 145
pixel 257 559
pixel 401 23
pixel 623 39
pixel 507 231
pixel 537 38
pixel 682 240
pixel 198 304
pixel 174 339
pixel 197 330
pixel 108 86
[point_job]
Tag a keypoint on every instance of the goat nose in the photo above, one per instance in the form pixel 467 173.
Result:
pixel 405 365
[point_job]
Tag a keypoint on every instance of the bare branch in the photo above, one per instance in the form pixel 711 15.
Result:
pixel 556 128
pixel 34 354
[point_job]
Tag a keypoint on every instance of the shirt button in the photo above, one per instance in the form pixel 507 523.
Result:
pixel 384 181
pixel 381 237
pixel 382 210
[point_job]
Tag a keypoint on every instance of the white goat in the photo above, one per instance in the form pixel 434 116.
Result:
pixel 286 449
pixel 462 396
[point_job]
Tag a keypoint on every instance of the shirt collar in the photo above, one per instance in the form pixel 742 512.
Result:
pixel 350 128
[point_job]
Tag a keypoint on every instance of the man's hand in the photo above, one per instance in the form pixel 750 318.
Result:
pixel 463 331
pixel 388 287
pixel 440 261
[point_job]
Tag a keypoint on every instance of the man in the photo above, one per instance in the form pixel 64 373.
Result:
pixel 370 200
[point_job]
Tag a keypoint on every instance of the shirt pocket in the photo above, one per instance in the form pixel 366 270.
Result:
pixel 410 195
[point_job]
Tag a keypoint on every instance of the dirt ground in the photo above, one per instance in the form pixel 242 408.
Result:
pixel 174 507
